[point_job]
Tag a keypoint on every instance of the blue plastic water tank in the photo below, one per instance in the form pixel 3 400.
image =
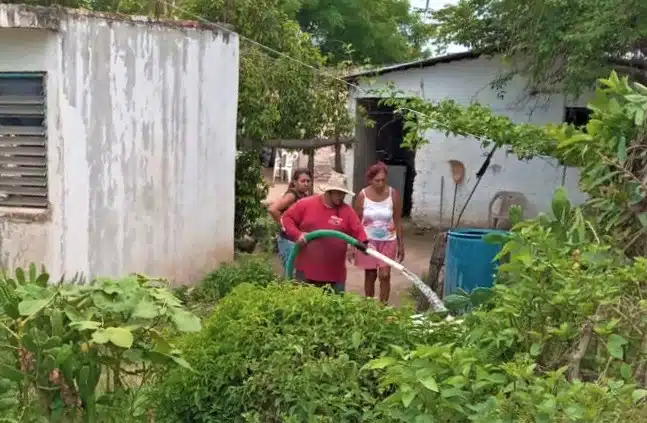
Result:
pixel 469 260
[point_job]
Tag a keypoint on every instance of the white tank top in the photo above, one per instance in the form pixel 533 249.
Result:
pixel 377 218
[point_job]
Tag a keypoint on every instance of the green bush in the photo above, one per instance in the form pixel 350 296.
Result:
pixel 561 339
pixel 285 353
pixel 264 231
pixel 251 191
pixel 71 352
pixel 248 268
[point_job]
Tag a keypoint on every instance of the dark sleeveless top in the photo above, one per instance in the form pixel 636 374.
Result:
pixel 297 196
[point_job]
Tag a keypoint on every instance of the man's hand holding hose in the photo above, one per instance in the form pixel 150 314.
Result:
pixel 301 240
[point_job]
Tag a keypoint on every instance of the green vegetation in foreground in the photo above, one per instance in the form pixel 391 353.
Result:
pixel 80 352
pixel 561 337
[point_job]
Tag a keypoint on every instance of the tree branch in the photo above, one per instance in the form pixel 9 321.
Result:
pixel 580 352
pixel 636 73
pixel 631 63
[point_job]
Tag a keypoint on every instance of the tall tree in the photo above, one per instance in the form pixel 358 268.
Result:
pixel 568 43
pixel 281 96
pixel 379 31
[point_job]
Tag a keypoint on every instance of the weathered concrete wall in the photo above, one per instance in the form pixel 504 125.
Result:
pixel 141 144
pixel 149 187
pixel 466 81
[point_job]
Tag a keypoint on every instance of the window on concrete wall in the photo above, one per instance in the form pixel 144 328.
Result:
pixel 23 141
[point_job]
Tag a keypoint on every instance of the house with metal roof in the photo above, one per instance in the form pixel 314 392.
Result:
pixel 425 176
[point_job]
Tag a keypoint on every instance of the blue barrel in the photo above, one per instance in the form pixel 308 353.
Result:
pixel 469 260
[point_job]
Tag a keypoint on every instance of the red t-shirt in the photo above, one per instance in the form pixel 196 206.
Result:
pixel 323 259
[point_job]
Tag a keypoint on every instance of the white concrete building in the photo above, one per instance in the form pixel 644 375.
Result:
pixel 464 77
pixel 117 143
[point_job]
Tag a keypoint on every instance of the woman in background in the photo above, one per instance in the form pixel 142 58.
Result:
pixel 322 262
pixel 380 209
pixel 299 187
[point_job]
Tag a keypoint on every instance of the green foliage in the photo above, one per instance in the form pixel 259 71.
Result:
pixel 375 31
pixel 557 44
pixel 70 352
pixel 610 153
pixel 440 381
pixel 474 120
pixel 560 340
pixel 563 291
pixel 452 384
pixel 279 98
pixel 462 301
pixel 265 230
pixel 285 353
pixel 251 190
pixel 379 31
pixel 216 285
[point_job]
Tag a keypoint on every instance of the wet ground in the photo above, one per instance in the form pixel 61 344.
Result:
pixel 417 254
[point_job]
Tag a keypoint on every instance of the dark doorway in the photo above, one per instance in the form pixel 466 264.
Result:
pixel 578 116
pixel 383 141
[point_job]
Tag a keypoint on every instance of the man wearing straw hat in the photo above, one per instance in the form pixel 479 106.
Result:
pixel 322 262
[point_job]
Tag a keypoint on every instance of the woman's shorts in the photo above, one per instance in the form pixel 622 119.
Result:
pixel 366 262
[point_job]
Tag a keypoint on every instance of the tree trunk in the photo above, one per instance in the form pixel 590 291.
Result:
pixel 338 164
pixel 311 161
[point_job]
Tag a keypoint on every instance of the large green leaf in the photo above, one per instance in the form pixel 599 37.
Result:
pixel 100 336
pixel 615 345
pixel 11 373
pixel 146 309
pixel 121 337
pixel 430 383
pixel 560 205
pixel 186 321
pixel 29 307
pixel 381 363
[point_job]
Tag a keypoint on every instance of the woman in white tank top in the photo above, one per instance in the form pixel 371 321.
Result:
pixel 380 209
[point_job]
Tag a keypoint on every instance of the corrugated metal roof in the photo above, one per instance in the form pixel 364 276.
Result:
pixel 423 63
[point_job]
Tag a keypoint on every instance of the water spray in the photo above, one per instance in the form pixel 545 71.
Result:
pixel 435 302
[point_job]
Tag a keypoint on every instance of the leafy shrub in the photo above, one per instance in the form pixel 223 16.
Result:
pixel 264 231
pixel 251 191
pixel 454 384
pixel 248 268
pixel 561 338
pixel 59 341
pixel 285 353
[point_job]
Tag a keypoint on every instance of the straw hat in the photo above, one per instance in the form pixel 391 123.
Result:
pixel 336 182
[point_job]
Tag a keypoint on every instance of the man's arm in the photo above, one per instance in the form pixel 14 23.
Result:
pixel 291 221
pixel 355 226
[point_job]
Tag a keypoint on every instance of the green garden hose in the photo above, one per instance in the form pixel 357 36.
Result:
pixel 434 301
pixel 323 233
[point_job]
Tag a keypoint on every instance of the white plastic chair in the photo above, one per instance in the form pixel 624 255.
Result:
pixel 278 164
pixel 506 199
pixel 284 164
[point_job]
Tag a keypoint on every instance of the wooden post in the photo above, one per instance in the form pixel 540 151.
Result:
pixel 435 274
pixel 338 164
pixel 311 161
pixel 305 144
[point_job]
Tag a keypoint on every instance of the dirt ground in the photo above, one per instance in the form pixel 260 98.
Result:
pixel 417 254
